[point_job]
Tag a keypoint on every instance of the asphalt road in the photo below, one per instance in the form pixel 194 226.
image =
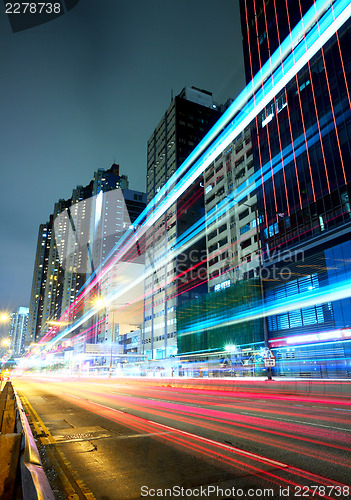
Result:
pixel 112 440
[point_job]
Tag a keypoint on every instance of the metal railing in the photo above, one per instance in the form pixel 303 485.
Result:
pixel 24 474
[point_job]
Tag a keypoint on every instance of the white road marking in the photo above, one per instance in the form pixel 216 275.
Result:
pixel 299 422
pixel 197 437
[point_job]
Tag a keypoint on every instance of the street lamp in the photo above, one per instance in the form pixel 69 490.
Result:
pixel 5 318
pixel 99 303
pixel 260 259
pixel 5 342
pixel 57 323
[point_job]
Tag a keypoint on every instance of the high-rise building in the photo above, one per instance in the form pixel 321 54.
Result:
pixel 264 25
pixel 60 263
pixel 232 265
pixel 188 118
pixel 39 282
pixel 73 255
pixel 53 287
pixel 286 215
pixel 231 237
pixel 114 209
pixel 301 145
pixel 76 242
pixel 106 222
pixel 18 330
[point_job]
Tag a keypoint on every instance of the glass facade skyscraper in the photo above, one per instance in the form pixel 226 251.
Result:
pixel 301 146
pixel 169 279
pixel 283 216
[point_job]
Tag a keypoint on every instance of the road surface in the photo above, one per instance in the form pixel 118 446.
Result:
pixel 112 440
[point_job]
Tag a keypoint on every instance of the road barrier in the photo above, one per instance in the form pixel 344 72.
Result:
pixel 21 472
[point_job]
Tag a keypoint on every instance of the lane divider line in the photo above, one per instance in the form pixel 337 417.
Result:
pixel 253 456
pixel 197 438
pixel 301 422
pixel 210 441
pixel 225 446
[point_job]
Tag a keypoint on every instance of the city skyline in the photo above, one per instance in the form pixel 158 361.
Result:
pixel 75 93
pixel 194 339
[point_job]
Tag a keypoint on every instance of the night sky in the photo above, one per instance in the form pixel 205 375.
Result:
pixel 86 90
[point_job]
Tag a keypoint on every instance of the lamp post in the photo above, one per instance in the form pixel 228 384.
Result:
pixel 99 304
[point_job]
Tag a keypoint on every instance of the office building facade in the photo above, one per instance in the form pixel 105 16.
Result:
pixel 298 257
pixel 169 282
pixel 75 244
pixel 39 282
pixel 232 266
pixel 231 237
pixel 18 331
pixel 301 142
pixel 114 210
